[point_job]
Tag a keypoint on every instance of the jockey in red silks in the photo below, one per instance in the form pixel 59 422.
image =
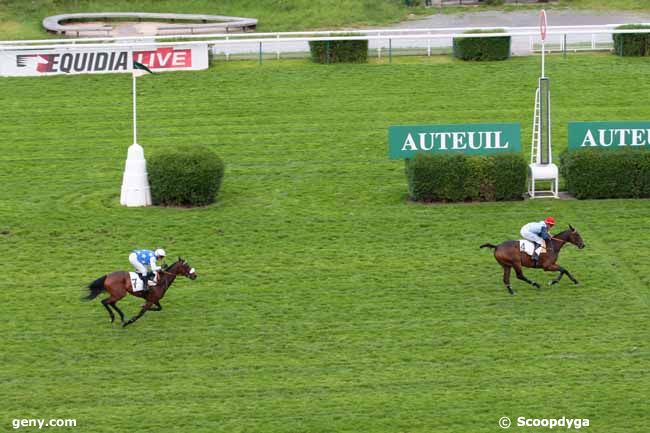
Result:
pixel 538 234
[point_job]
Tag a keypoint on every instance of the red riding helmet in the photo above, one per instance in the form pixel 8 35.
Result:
pixel 550 221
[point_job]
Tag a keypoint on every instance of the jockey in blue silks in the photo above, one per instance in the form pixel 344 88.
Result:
pixel 537 233
pixel 142 260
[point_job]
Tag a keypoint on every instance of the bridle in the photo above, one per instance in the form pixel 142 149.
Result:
pixel 171 273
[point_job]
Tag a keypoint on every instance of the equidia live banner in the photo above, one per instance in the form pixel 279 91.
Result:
pixel 477 139
pixel 101 60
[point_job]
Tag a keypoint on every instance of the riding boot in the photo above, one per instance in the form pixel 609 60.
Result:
pixel 150 277
pixel 145 282
pixel 535 254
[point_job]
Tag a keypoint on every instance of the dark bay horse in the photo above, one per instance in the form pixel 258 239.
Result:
pixel 118 285
pixel 508 256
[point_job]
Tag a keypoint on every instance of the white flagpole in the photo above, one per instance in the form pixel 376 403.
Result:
pixel 135 136
pixel 543 25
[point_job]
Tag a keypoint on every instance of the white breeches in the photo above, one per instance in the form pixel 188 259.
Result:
pixel 139 267
pixel 533 238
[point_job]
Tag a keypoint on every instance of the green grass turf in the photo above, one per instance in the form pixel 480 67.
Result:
pixel 325 300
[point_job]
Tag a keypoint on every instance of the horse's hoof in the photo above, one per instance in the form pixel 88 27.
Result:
pixel 536 285
pixel 552 283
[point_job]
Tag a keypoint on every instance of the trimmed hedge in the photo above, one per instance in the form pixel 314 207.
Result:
pixel 496 48
pixel 598 173
pixel 185 176
pixel 632 44
pixel 458 177
pixel 347 51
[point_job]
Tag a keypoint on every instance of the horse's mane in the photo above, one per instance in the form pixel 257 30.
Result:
pixel 569 230
pixel 180 260
pixel 172 265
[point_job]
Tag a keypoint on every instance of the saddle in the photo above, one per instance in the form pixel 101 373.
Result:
pixel 527 247
pixel 136 282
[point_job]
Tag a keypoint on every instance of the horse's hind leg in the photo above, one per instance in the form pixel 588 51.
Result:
pixel 143 310
pixel 522 277
pixel 106 302
pixel 114 305
pixel 506 279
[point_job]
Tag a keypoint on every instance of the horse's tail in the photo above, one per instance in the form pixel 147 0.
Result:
pixel 494 247
pixel 95 288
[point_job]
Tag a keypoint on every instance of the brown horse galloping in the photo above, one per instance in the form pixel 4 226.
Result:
pixel 118 284
pixel 509 256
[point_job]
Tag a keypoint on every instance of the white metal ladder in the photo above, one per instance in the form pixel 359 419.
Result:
pixel 534 154
pixel 536 170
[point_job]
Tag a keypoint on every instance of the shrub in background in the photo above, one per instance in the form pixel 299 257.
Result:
pixel 598 173
pixel 347 51
pixel 437 178
pixel 632 44
pixel 458 177
pixel 506 175
pixel 494 48
pixel 185 176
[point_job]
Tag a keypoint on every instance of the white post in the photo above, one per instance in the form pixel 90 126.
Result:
pixel 135 128
pixel 135 181
pixel 542 30
pixel 379 48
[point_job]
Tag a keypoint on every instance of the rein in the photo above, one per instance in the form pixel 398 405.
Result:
pixel 161 270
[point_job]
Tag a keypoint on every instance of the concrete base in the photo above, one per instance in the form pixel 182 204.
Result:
pixel 135 182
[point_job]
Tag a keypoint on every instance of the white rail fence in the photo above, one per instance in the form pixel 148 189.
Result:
pixel 381 42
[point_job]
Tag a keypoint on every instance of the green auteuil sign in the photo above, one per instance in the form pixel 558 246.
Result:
pixel 609 135
pixel 477 139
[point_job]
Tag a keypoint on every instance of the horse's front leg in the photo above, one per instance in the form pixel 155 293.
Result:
pixel 143 310
pixel 555 267
pixel 568 274
pixel 157 307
